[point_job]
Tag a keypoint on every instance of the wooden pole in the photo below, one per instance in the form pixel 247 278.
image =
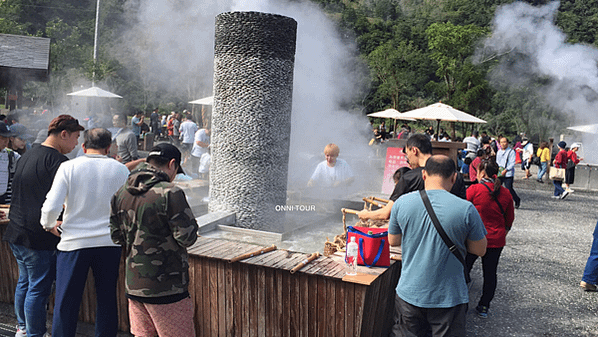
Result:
pixel 252 254
pixel 371 201
pixel 305 262
pixel 380 199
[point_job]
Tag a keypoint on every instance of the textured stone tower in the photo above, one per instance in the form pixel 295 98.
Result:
pixel 251 118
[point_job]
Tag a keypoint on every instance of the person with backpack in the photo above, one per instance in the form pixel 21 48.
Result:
pixel 494 203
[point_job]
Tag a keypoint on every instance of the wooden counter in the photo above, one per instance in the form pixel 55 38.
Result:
pixel 259 296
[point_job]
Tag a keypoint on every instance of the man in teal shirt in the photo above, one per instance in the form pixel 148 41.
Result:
pixel 432 293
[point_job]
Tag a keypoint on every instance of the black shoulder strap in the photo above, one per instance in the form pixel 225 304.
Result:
pixel 451 246
pixel 502 211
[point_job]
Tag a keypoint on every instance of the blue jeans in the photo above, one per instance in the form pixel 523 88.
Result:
pixel 542 172
pixel 590 273
pixel 37 270
pixel 558 187
pixel 71 273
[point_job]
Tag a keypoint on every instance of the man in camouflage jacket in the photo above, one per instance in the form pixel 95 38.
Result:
pixel 151 218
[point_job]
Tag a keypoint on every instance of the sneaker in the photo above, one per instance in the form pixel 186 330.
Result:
pixel 555 196
pixel 565 194
pixel 587 286
pixel 540 181
pixel 570 190
pixel 20 333
pixel 482 311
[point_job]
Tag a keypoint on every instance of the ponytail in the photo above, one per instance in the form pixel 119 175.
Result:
pixel 491 168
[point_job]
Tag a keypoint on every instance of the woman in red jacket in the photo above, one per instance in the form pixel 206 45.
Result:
pixel 560 161
pixel 572 161
pixel 495 205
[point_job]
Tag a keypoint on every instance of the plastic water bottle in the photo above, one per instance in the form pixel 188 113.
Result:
pixel 351 257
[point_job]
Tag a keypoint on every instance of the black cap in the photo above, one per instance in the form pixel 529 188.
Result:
pixel 5 130
pixel 167 151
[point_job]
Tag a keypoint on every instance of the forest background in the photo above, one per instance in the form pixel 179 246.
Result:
pixel 416 52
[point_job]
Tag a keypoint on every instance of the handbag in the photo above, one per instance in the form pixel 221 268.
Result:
pixel 374 249
pixel 451 246
pixel 556 173
pixel 570 164
pixel 536 161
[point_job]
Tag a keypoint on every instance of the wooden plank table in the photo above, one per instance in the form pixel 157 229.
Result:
pixel 259 296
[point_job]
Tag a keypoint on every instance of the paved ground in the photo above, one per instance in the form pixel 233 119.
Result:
pixel 538 290
pixel 539 272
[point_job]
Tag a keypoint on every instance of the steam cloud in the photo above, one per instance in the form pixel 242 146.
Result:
pixel 174 42
pixel 539 48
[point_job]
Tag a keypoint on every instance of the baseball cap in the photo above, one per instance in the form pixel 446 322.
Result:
pixel 5 130
pixel 575 145
pixel 561 144
pixel 169 152
pixel 64 122
pixel 20 131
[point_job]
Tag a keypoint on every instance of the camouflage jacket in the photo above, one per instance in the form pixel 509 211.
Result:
pixel 151 218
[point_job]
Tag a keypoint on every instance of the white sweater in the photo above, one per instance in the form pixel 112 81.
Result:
pixel 85 186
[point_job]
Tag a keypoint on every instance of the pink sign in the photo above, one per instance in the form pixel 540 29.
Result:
pixel 395 159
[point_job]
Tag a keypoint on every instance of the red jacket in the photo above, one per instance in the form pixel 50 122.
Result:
pixel 560 160
pixel 496 223
pixel 573 156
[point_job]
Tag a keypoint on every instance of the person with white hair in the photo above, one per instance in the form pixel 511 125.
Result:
pixel 572 161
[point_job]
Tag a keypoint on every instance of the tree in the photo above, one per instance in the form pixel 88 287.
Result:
pixel 452 47
pixel 396 68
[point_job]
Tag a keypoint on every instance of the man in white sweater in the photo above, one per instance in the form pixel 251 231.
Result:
pixel 84 186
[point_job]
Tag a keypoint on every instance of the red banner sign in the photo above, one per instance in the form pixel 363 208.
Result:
pixel 395 159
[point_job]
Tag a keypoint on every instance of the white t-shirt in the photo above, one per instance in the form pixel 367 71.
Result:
pixel 188 129
pixel 473 144
pixel 204 163
pixel 326 176
pixel 200 136
pixel 528 151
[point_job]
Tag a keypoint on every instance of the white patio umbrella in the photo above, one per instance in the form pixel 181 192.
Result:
pixel 94 92
pixel 442 112
pixel 391 113
pixel 589 128
pixel 204 101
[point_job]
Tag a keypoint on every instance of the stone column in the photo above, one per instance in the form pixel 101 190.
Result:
pixel 251 117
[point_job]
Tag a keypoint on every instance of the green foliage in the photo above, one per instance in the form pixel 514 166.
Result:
pixel 451 47
pixel 417 52
pixel 579 20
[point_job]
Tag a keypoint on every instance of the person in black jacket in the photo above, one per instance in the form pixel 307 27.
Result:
pixel 417 150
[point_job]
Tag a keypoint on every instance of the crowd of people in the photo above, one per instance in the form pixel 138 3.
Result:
pixel 432 295
pixel 68 216
pixel 62 223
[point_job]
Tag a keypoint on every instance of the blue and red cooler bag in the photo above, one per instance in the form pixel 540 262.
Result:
pixel 374 249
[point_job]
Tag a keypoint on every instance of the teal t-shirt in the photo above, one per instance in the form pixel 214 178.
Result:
pixel 431 276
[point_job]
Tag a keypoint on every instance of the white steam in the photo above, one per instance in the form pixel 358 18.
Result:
pixel 174 42
pixel 534 46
